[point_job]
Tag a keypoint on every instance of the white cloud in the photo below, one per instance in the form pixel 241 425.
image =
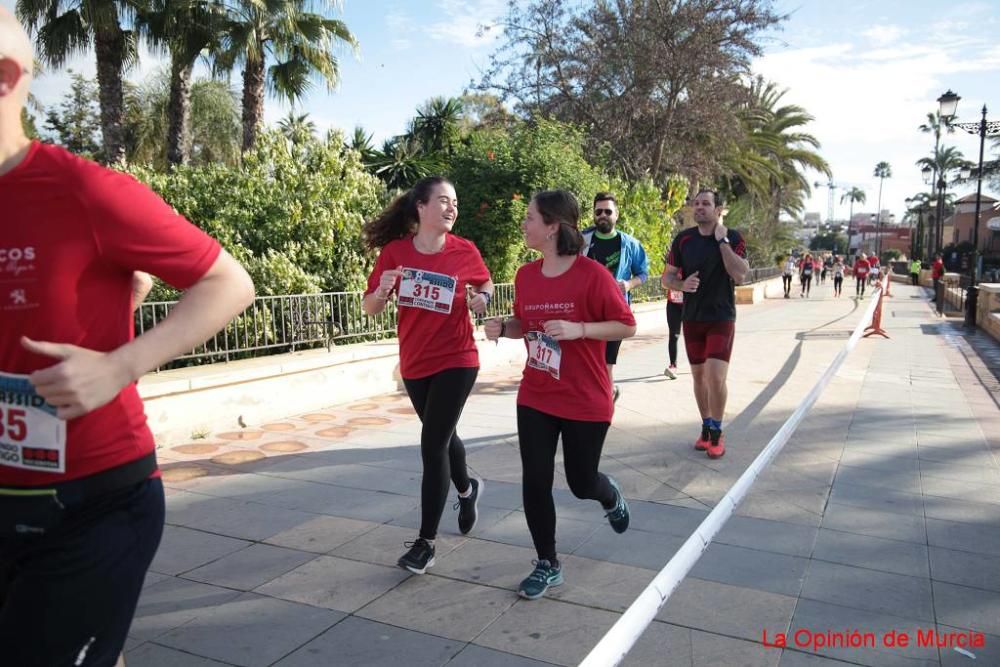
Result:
pixel 884 34
pixel 399 25
pixel 465 20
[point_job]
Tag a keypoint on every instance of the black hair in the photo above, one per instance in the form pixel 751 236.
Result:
pixel 716 197
pixel 399 219
pixel 559 207
pixel 605 196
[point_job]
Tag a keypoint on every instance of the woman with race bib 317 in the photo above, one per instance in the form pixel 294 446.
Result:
pixel 428 269
pixel 565 307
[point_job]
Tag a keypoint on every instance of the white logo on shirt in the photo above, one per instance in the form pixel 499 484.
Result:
pixel 18 297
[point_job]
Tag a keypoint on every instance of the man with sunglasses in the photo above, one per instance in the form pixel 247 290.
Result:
pixel 623 256
pixel 81 500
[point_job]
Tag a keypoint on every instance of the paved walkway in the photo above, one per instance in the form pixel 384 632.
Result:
pixel 881 515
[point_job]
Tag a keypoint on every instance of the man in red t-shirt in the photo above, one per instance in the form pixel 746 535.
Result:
pixel 861 269
pixel 937 273
pixel 81 502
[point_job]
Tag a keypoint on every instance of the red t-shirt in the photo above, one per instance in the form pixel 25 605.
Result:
pixel 937 269
pixel 584 293
pixel 430 339
pixel 73 233
pixel 861 267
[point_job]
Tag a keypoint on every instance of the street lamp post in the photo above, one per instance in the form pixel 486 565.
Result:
pixel 949 103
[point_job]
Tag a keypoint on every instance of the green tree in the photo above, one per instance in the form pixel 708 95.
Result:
pixel 361 142
pixel 75 122
pixel 834 241
pixel 63 28
pixel 298 41
pixel 402 162
pixel 855 196
pixel 297 128
pixel 437 125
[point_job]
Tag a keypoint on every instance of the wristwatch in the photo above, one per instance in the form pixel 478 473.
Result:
pixel 725 239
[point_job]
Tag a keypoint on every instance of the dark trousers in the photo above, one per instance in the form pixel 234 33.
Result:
pixel 787 281
pixel 538 435
pixel 74 591
pixel 439 400
pixel 859 287
pixel 915 279
pixel 838 284
pixel 674 312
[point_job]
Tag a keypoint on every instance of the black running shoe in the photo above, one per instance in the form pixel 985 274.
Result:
pixel 615 394
pixel 468 508
pixel 418 558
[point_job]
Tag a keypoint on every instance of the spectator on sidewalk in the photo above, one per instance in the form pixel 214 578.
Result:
pixel 937 273
pixel 915 272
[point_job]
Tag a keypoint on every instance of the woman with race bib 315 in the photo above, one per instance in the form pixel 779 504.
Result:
pixel 565 308
pixel 428 269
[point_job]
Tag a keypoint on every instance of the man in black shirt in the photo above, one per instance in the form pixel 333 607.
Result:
pixel 711 260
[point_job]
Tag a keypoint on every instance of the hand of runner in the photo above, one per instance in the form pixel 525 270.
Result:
pixel 478 303
pixel 492 329
pixel 81 382
pixel 691 282
pixel 387 281
pixel 564 330
pixel 720 231
pixel 623 286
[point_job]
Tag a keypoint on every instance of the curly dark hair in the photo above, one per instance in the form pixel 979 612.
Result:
pixel 399 219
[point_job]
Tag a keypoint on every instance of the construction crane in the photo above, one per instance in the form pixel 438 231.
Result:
pixel 831 189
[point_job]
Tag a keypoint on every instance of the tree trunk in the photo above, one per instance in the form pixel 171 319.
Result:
pixel 253 102
pixel 109 46
pixel 179 112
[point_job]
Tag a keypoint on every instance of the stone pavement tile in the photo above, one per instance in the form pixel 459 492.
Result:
pixel 439 606
pixel 989 654
pixel 251 630
pixel 761 534
pixel 804 508
pixel 796 659
pixel 666 645
pixel 864 521
pixel 322 534
pixel 352 475
pixel 950 509
pixel 880 592
pixel 965 569
pixel 877 498
pixel 248 521
pixel 972 456
pixel 727 610
pixel 488 517
pixel 173 602
pixel 477 656
pixel 335 583
pixel 663 518
pixel 899 478
pixel 385 544
pixel 633 547
pixel 356 641
pixel 153 578
pixel 812 617
pixel 504 495
pixel 873 460
pixel 548 630
pixel 154 655
pixel 749 568
pixel 961 490
pixel 183 549
pixel 489 563
pixel 965 473
pixel 601 585
pixel 977 538
pixel 873 553
pixel 513 529
pixel 249 568
pixel 963 607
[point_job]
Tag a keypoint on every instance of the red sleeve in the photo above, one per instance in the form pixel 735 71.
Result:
pixel 383 262
pixel 610 302
pixel 673 257
pixel 518 285
pixel 135 229
pixel 739 245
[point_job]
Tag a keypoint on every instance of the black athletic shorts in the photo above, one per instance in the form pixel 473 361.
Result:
pixel 611 352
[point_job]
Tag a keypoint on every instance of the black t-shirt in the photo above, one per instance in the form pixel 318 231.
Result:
pixel 607 252
pixel 715 300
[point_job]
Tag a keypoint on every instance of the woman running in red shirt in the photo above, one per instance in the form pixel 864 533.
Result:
pixel 565 308
pixel 428 269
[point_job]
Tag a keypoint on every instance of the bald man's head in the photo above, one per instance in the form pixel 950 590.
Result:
pixel 16 59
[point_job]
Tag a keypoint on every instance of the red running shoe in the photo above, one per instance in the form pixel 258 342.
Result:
pixel 716 444
pixel 703 441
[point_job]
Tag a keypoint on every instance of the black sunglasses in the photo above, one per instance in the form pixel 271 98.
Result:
pixel 603 211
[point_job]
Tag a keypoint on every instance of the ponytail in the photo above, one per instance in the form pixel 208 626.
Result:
pixel 399 219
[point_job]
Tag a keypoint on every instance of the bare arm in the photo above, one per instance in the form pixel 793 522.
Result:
pixel 141 285
pixel 669 279
pixel 374 303
pixel 736 266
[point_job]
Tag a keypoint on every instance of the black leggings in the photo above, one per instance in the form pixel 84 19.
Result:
pixel 838 283
pixel 859 287
pixel 438 400
pixel 674 311
pixel 787 281
pixel 806 283
pixel 538 436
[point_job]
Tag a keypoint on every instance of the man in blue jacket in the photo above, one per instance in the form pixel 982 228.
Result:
pixel 621 253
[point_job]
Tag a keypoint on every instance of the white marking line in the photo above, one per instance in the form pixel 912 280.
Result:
pixel 613 647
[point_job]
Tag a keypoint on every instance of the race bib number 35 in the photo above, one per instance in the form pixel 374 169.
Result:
pixel 31 436
pixel 427 290
pixel 544 353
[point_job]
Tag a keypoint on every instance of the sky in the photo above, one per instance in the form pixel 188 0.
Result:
pixel 868 71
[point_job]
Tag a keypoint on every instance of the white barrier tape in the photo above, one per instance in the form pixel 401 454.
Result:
pixel 618 641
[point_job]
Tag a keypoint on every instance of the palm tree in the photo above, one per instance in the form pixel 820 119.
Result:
pixel 62 29
pixel 941 162
pixel 299 42
pixel 361 142
pixel 185 29
pixel 437 124
pixel 297 129
pixel 402 162
pixel 919 202
pixel 853 195
pixel 883 170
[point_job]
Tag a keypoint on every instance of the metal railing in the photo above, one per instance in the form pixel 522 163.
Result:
pixel 950 299
pixel 286 323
